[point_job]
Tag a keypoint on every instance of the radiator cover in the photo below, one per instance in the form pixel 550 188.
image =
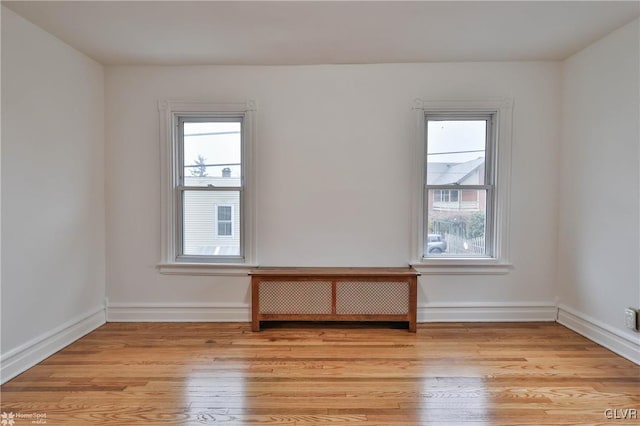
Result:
pixel 335 294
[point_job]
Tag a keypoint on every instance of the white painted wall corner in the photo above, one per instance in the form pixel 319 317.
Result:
pixel 603 334
pixel 27 355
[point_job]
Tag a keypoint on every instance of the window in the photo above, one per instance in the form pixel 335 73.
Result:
pixel 207 146
pixel 458 154
pixel 207 203
pixel 225 221
pixel 464 166
pixel 445 196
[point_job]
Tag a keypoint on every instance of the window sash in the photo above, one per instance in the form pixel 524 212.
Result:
pixel 180 256
pixel 490 138
pixel 222 118
pixel 225 228
pixel 224 213
pixel 489 218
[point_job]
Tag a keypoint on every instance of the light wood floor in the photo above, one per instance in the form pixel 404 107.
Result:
pixel 340 374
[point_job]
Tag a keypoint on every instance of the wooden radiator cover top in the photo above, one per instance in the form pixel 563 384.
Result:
pixel 334 272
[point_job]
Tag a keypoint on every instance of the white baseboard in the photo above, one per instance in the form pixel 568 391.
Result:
pixel 600 333
pixel 178 312
pixel 27 355
pixel 216 312
pixel 487 312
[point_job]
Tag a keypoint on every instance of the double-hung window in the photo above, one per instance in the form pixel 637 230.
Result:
pixel 207 196
pixel 464 167
pixel 459 183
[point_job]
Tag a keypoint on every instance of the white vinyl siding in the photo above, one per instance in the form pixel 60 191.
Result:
pixel 201 228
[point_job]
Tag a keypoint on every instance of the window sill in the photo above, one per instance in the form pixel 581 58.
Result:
pixel 459 266
pixel 216 269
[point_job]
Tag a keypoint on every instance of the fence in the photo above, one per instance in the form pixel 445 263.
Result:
pixel 461 245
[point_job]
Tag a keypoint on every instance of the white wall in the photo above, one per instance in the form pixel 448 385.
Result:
pixel 334 152
pixel 53 241
pixel 599 233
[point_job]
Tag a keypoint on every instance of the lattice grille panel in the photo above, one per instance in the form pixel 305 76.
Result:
pixel 372 298
pixel 295 297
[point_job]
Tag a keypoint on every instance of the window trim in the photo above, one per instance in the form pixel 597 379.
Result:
pixel 499 263
pixel 170 112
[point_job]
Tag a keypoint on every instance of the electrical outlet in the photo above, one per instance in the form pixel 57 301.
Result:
pixel 631 318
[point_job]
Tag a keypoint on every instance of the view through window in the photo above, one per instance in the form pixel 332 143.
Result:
pixel 210 186
pixel 458 185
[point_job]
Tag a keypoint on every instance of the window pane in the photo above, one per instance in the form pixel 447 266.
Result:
pixel 224 213
pixel 224 229
pixel 202 234
pixel 212 153
pixel 456 227
pixel 456 151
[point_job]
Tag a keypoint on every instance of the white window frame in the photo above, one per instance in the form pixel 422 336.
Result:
pixel 230 221
pixel 171 262
pixel 498 262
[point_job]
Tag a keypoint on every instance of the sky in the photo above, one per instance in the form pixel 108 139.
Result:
pixel 454 136
pixel 217 142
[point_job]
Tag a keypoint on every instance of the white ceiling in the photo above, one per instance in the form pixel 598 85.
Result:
pixel 322 32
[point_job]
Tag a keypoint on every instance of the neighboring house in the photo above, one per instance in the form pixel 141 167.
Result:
pixel 212 218
pixel 452 209
pixel 462 200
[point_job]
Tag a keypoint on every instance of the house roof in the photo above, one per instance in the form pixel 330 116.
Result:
pixel 451 173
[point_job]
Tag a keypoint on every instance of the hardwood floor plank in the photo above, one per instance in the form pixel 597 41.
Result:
pixel 329 374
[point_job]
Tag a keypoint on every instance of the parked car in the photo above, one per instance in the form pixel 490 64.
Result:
pixel 436 244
